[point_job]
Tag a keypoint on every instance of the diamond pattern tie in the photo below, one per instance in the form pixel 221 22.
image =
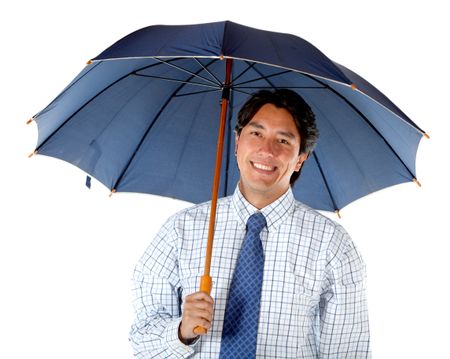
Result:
pixel 240 326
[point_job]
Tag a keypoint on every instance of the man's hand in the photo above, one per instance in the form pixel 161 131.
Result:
pixel 198 311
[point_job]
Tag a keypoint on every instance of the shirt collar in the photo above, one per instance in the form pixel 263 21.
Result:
pixel 275 213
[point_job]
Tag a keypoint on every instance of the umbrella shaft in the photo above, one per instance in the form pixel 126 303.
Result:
pixel 206 281
pixel 215 190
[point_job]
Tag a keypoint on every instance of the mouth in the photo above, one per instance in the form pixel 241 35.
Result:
pixel 263 167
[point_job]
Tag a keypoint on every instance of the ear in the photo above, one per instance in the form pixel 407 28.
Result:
pixel 301 158
pixel 237 142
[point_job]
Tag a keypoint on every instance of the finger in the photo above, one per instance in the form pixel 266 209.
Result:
pixel 198 305
pixel 206 297
pixel 194 305
pixel 198 314
pixel 200 296
pixel 201 322
pixel 187 329
pixel 188 324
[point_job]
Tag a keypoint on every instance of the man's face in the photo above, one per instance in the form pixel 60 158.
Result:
pixel 267 154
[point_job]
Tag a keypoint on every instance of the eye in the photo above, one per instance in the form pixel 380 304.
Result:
pixel 256 133
pixel 283 141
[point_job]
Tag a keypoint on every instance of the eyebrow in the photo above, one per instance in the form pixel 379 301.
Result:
pixel 257 125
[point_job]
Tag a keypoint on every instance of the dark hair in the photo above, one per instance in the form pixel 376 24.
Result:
pixel 304 118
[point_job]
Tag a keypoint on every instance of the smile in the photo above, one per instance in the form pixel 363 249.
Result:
pixel 263 167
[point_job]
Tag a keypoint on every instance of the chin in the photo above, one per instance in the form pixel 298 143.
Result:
pixel 262 186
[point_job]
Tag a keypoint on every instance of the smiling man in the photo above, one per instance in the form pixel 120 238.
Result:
pixel 268 151
pixel 288 282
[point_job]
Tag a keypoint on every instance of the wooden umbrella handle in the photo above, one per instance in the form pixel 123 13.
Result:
pixel 205 286
pixel 206 281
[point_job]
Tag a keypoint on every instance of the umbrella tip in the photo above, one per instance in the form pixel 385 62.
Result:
pixel 32 154
pixel 112 192
pixel 426 135
pixel 338 213
pixel 30 120
pixel 417 182
pixel 353 86
pixel 88 62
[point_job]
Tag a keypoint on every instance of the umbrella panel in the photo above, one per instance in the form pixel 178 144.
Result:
pixel 156 123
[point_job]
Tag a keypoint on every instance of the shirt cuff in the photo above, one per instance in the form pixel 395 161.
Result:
pixel 174 342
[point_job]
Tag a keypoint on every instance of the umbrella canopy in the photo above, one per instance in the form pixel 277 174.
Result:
pixel 143 115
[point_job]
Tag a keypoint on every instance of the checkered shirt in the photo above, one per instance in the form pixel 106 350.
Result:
pixel 313 301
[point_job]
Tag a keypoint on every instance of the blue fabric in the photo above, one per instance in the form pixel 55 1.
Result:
pixel 88 182
pixel 240 328
pixel 228 39
pixel 147 121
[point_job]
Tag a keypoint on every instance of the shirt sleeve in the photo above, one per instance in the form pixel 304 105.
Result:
pixel 344 323
pixel 157 300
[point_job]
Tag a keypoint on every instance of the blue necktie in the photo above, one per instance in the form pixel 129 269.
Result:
pixel 240 326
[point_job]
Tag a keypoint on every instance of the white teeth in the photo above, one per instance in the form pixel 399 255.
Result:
pixel 262 167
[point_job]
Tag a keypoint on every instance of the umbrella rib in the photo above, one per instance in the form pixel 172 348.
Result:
pixel 266 77
pixel 250 65
pixel 148 130
pixel 325 181
pixel 92 66
pixel 176 80
pixel 188 71
pixel 288 86
pixel 209 72
pixel 352 106
pixel 88 102
pixel 263 77
pixel 241 91
pixel 196 92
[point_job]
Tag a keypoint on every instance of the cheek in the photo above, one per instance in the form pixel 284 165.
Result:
pixel 295 162
pixel 239 155
pixel 242 146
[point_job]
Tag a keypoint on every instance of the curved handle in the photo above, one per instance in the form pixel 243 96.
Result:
pixel 205 286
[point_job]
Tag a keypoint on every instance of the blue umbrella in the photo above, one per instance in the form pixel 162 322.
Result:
pixel 143 116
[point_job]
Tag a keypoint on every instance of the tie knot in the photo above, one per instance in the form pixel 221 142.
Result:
pixel 256 222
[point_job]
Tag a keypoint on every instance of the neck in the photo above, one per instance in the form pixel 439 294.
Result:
pixel 259 199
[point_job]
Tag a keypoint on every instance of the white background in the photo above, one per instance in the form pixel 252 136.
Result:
pixel 67 253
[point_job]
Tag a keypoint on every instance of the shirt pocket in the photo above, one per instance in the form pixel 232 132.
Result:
pixel 305 311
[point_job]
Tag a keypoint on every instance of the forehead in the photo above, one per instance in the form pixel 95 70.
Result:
pixel 275 118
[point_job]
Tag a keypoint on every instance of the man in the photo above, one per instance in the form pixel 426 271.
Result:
pixel 312 296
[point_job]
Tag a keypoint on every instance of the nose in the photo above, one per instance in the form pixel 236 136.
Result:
pixel 266 147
